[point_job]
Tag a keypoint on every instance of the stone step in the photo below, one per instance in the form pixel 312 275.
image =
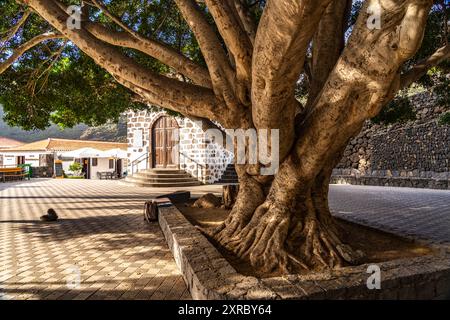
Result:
pixel 228 181
pixel 228 178
pixel 149 175
pixel 159 179
pixel 229 175
pixel 163 171
pixel 161 185
pixel 230 171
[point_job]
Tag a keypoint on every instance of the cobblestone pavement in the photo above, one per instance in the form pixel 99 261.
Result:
pixel 101 236
pixel 417 213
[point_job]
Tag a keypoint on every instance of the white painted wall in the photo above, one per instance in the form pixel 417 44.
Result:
pixel 32 158
pixel 9 160
pixel 102 166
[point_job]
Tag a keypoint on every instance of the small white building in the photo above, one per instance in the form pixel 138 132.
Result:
pixel 43 156
pixel 154 137
pixel 7 143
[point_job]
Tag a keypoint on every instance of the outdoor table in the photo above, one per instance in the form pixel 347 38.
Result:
pixel 4 172
pixel 106 175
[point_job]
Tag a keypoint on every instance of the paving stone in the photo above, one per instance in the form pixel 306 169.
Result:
pixel 101 234
pixel 418 213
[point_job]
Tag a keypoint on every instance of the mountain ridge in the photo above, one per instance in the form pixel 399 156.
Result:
pixel 116 132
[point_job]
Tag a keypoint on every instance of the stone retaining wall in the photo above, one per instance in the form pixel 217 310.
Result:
pixel 339 177
pixel 42 172
pixel 209 276
pixel 419 149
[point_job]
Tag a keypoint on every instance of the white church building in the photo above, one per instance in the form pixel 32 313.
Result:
pixel 160 144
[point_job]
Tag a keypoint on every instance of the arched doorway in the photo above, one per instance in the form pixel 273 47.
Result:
pixel 163 142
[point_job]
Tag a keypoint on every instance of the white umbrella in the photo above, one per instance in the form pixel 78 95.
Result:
pixel 83 153
pixel 114 153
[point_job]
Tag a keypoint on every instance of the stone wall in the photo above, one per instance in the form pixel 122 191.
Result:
pixel 42 172
pixel 200 157
pixel 200 154
pixel 417 149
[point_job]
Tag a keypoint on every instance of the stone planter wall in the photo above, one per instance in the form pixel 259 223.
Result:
pixel 209 276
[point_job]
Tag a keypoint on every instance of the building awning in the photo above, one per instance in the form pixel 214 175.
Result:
pixel 83 153
pixel 114 153
pixel 63 145
pixel 94 153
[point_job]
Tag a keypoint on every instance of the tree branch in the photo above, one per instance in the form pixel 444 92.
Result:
pixel 157 50
pixel 169 93
pixel 328 43
pixel 361 83
pixel 25 47
pixel 116 20
pixel 211 108
pixel 14 29
pixel 222 75
pixel 236 40
pixel 284 32
pixel 421 68
pixel 246 18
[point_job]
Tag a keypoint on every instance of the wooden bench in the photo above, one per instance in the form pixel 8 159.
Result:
pixel 12 174
pixel 18 176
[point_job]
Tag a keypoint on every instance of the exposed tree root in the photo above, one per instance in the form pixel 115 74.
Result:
pixel 280 240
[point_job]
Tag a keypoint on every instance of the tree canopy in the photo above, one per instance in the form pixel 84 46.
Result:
pixel 55 82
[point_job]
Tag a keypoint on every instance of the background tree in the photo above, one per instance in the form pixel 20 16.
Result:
pixel 239 63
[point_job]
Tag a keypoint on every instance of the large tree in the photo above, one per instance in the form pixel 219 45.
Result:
pixel 253 55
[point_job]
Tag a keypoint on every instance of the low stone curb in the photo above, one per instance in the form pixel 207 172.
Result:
pixel 407 182
pixel 208 274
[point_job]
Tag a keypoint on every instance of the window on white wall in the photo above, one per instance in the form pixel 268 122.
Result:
pixel 138 136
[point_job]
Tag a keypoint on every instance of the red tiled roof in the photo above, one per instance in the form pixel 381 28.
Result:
pixel 67 145
pixel 9 143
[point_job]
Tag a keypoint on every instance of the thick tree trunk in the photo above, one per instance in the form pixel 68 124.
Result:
pixel 287 229
pixel 229 195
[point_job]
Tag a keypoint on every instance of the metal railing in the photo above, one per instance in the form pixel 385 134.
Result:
pixel 197 165
pixel 145 157
pixel 135 163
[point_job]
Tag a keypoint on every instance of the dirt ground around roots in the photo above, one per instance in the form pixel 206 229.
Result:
pixel 377 245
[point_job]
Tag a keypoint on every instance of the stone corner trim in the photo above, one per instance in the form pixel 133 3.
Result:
pixel 209 276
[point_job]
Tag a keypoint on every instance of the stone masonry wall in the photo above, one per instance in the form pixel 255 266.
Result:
pixel 419 148
pixel 199 156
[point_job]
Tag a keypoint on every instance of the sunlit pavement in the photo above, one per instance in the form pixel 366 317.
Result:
pixel 417 213
pixel 101 240
pixel 102 249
